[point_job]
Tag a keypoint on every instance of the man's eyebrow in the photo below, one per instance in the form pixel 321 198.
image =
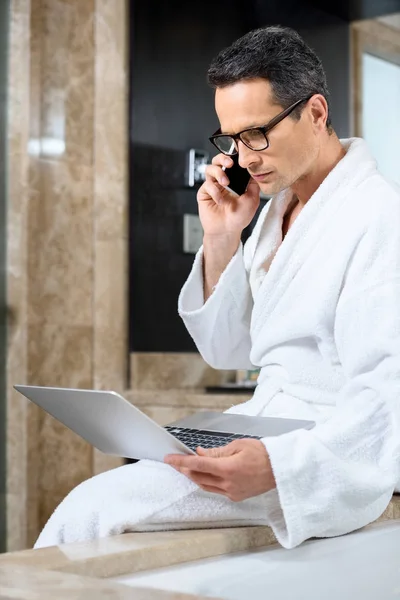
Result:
pixel 245 128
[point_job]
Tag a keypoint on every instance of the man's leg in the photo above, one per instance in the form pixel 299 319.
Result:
pixel 145 496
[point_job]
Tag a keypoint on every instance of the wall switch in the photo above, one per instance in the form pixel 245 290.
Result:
pixel 192 234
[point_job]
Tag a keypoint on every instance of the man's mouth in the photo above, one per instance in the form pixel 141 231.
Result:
pixel 260 176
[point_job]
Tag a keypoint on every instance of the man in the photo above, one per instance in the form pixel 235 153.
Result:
pixel 313 300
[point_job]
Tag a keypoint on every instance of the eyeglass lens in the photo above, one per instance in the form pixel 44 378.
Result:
pixel 253 138
pixel 226 144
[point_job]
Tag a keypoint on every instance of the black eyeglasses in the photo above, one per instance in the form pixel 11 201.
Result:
pixel 254 138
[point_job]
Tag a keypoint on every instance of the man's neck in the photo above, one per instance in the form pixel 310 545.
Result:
pixel 327 160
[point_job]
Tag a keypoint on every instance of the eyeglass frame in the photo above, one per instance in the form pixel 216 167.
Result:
pixel 263 128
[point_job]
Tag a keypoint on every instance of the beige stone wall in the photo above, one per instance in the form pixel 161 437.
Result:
pixel 174 371
pixel 18 167
pixel 67 237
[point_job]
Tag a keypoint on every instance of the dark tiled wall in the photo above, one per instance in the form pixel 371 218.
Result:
pixel 158 267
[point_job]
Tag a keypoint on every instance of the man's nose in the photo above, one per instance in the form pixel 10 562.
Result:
pixel 247 157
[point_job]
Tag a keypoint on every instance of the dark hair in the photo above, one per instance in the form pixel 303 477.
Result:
pixel 279 55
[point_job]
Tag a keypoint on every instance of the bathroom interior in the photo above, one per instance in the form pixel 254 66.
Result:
pixel 104 107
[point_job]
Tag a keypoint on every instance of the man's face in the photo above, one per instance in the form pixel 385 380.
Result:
pixel 293 145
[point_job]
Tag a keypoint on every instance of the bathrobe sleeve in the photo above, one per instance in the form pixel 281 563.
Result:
pixel 341 475
pixel 220 327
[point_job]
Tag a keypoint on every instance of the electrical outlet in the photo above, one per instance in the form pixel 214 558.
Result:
pixel 192 234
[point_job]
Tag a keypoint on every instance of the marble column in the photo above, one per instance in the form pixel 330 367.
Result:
pixel 18 167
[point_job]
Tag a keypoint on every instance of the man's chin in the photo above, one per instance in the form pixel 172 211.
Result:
pixel 271 188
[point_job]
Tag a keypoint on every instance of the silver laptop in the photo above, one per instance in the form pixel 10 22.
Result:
pixel 115 426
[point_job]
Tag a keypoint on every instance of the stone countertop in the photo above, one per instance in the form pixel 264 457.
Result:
pixel 190 397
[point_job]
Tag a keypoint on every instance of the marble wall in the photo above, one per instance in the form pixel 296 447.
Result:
pixel 67 237
pixel 174 371
pixel 4 27
pixel 18 167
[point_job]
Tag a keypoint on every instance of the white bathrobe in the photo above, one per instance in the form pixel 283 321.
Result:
pixel 320 315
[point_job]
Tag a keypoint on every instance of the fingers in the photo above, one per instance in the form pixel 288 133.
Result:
pixel 221 451
pixel 215 173
pixel 203 479
pixel 211 190
pixel 253 189
pixel 251 197
pixel 221 160
pixel 209 483
pixel 201 464
pixel 218 452
pixel 212 489
pixel 214 187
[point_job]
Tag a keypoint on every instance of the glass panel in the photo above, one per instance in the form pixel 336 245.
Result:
pixel 381 113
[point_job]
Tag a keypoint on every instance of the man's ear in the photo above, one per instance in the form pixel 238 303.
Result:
pixel 319 111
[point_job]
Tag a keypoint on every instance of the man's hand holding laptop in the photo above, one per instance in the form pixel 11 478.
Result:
pixel 239 470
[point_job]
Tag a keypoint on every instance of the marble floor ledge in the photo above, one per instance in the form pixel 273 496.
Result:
pixel 90 562
pixel 141 551
pixel 135 552
pixel 22 583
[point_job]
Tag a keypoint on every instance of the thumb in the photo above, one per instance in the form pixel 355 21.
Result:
pixel 253 189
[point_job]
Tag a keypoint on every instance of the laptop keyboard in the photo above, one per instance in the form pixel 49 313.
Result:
pixel 193 438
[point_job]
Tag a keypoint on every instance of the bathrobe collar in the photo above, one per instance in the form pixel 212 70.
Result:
pixel 276 263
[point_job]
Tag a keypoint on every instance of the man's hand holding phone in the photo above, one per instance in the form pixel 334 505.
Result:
pixel 223 215
pixel 221 210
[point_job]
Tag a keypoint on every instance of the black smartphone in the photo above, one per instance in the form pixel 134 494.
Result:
pixel 238 177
